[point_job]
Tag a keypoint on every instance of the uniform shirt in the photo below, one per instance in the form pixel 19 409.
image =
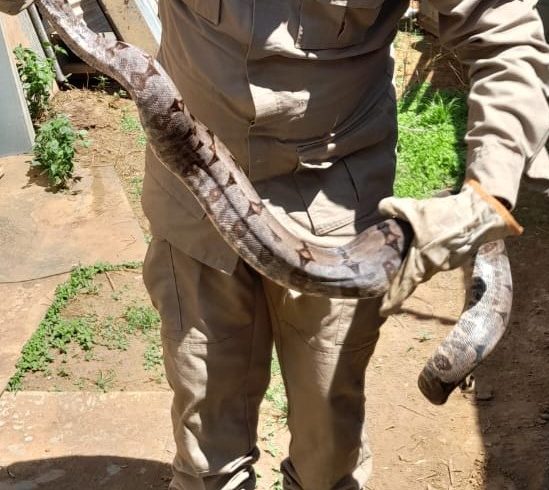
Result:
pixel 301 93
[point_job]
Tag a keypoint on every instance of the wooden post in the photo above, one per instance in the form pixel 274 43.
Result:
pixel 136 22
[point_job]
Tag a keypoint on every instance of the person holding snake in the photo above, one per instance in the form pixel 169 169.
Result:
pixel 301 94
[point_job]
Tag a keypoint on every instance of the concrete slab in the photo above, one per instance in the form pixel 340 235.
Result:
pixel 85 441
pixel 44 234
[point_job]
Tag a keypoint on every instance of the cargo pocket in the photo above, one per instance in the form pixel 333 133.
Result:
pixel 330 196
pixel 341 177
pixel 332 24
pixel 207 9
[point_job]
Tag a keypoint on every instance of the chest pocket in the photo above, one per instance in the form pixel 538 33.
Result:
pixel 329 24
pixel 207 9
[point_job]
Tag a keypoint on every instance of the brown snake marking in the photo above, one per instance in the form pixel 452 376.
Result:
pixel 362 268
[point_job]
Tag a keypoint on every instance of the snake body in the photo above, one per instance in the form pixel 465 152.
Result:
pixel 362 268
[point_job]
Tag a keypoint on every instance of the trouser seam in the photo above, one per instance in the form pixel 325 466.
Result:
pixel 246 384
pixel 176 286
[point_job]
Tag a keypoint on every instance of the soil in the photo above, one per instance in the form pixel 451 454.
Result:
pixel 494 438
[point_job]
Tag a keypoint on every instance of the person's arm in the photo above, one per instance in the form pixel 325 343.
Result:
pixel 502 43
pixel 13 7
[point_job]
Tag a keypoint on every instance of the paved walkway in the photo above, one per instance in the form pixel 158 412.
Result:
pixel 69 441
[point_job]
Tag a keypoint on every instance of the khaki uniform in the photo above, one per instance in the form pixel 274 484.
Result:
pixel 301 93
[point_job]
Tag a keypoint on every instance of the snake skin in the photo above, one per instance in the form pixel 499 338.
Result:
pixel 361 269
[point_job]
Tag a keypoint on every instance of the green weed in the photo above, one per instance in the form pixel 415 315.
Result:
pixel 153 354
pixel 79 330
pixel 54 149
pixel 114 335
pixel 431 150
pixel 136 188
pixel 102 82
pixel 37 352
pixel 104 381
pixel 141 318
pixel 131 125
pixel 37 76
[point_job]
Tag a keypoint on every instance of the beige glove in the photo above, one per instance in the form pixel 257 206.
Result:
pixel 13 7
pixel 447 231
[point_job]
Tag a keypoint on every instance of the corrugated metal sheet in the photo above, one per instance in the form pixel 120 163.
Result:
pixel 16 131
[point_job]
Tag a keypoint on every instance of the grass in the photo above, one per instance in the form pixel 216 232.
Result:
pixel 136 187
pixel 141 318
pixel 131 125
pixel 54 332
pixel 431 151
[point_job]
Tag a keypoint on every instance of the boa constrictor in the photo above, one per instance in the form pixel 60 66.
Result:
pixel 361 269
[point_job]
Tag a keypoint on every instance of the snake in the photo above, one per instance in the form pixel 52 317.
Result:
pixel 362 268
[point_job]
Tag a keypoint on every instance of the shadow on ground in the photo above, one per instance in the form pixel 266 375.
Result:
pixel 514 418
pixel 86 473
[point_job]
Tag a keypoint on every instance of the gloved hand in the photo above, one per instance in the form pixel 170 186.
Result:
pixel 13 7
pixel 447 231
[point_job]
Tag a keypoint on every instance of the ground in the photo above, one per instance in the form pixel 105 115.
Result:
pixel 494 438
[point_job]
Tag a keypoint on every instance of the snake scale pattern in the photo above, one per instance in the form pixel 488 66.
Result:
pixel 360 269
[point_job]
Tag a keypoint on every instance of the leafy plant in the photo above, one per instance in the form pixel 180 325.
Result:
pixel 37 76
pixel 143 318
pixel 54 149
pixel 102 82
pixel 153 354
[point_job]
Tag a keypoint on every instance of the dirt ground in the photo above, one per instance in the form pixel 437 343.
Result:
pixel 416 446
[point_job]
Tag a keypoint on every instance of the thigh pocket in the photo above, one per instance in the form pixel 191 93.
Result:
pixel 197 304
pixel 332 24
pixel 331 326
pixel 341 177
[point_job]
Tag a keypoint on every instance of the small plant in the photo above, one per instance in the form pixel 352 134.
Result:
pixel 37 76
pixel 104 381
pixel 113 336
pixel 136 188
pixel 153 355
pixel 142 318
pixel 54 149
pixel 76 329
pixel 131 125
pixel 102 82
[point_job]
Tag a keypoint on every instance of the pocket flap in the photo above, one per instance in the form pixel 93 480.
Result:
pixel 209 9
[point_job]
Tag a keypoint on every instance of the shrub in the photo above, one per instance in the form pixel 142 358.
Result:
pixel 54 149
pixel 37 76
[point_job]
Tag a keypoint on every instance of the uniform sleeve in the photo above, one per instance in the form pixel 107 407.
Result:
pixel 13 7
pixel 503 45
